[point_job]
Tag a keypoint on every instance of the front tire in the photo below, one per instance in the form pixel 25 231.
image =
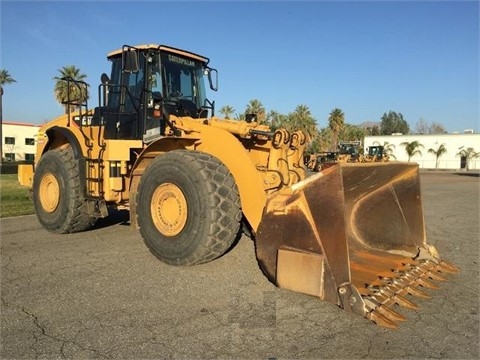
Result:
pixel 58 193
pixel 188 208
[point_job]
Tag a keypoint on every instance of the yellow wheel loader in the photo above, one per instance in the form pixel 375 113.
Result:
pixel 376 154
pixel 352 234
pixel 348 151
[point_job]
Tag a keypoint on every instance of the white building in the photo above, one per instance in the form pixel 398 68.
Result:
pixel 451 160
pixel 19 141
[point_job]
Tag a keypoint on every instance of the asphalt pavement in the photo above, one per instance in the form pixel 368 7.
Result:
pixel 101 294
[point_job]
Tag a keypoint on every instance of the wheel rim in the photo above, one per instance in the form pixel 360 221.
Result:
pixel 49 193
pixel 169 209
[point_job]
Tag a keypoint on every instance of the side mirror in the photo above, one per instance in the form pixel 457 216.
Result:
pixel 104 79
pixel 130 60
pixel 212 78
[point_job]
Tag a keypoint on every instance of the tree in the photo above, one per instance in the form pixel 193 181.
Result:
pixel 227 111
pixel 5 78
pixel 79 94
pixel 255 106
pixel 336 122
pixel 468 154
pixel 412 148
pixel 275 120
pixel 438 153
pixel 436 128
pixel 393 123
pixel 301 119
pixel 423 127
pixel 325 140
pixel 314 146
pixel 352 133
pixel 374 130
pixel 239 116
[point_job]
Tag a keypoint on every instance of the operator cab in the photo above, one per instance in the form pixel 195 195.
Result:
pixel 375 150
pixel 148 83
pixel 350 148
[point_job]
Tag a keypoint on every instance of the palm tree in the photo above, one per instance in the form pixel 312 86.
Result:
pixel 227 111
pixel 302 119
pixel 468 154
pixel 5 78
pixel 412 148
pixel 239 116
pixel 336 122
pixel 275 120
pixel 255 106
pixel 63 92
pixel 439 152
pixel 324 138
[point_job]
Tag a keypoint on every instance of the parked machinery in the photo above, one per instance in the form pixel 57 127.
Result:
pixel 189 179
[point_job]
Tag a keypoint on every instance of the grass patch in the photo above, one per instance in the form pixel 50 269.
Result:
pixel 15 199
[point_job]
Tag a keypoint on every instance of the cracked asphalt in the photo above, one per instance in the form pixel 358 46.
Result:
pixel 101 294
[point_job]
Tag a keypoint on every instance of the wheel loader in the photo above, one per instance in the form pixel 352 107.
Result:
pixel 376 153
pixel 348 151
pixel 352 234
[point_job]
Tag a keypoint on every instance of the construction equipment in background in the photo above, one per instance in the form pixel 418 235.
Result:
pixel 316 162
pixel 191 180
pixel 375 154
pixel 348 151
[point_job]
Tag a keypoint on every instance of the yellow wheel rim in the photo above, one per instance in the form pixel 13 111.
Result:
pixel 49 192
pixel 169 209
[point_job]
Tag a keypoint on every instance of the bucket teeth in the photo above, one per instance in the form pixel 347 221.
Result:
pixel 426 284
pixel 389 280
pixel 401 301
pixel 382 314
pixel 381 320
pixel 382 294
pixel 414 280
pixel 391 295
pixel 389 313
pixel 448 268
pixel 434 276
pixel 415 292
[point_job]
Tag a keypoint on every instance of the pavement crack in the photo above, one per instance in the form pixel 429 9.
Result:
pixel 63 342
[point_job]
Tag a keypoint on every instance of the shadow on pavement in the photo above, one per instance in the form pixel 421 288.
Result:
pixel 115 217
pixel 475 174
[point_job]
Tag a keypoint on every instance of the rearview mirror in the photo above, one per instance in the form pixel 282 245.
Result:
pixel 130 60
pixel 213 78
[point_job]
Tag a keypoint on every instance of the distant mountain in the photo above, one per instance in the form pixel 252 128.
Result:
pixel 369 124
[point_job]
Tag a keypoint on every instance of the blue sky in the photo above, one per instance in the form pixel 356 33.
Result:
pixel 419 58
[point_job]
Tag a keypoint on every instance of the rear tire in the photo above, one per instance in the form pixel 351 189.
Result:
pixel 188 208
pixel 58 193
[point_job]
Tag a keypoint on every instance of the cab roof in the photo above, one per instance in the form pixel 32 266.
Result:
pixel 166 48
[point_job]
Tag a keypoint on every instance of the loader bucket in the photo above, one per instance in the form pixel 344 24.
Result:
pixel 353 235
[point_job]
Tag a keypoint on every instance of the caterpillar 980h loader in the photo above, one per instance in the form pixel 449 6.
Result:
pixel 353 234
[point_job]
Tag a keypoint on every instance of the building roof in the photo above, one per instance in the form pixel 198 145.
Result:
pixel 16 123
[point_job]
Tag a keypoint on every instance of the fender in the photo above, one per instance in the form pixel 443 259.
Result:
pixel 224 146
pixel 59 136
